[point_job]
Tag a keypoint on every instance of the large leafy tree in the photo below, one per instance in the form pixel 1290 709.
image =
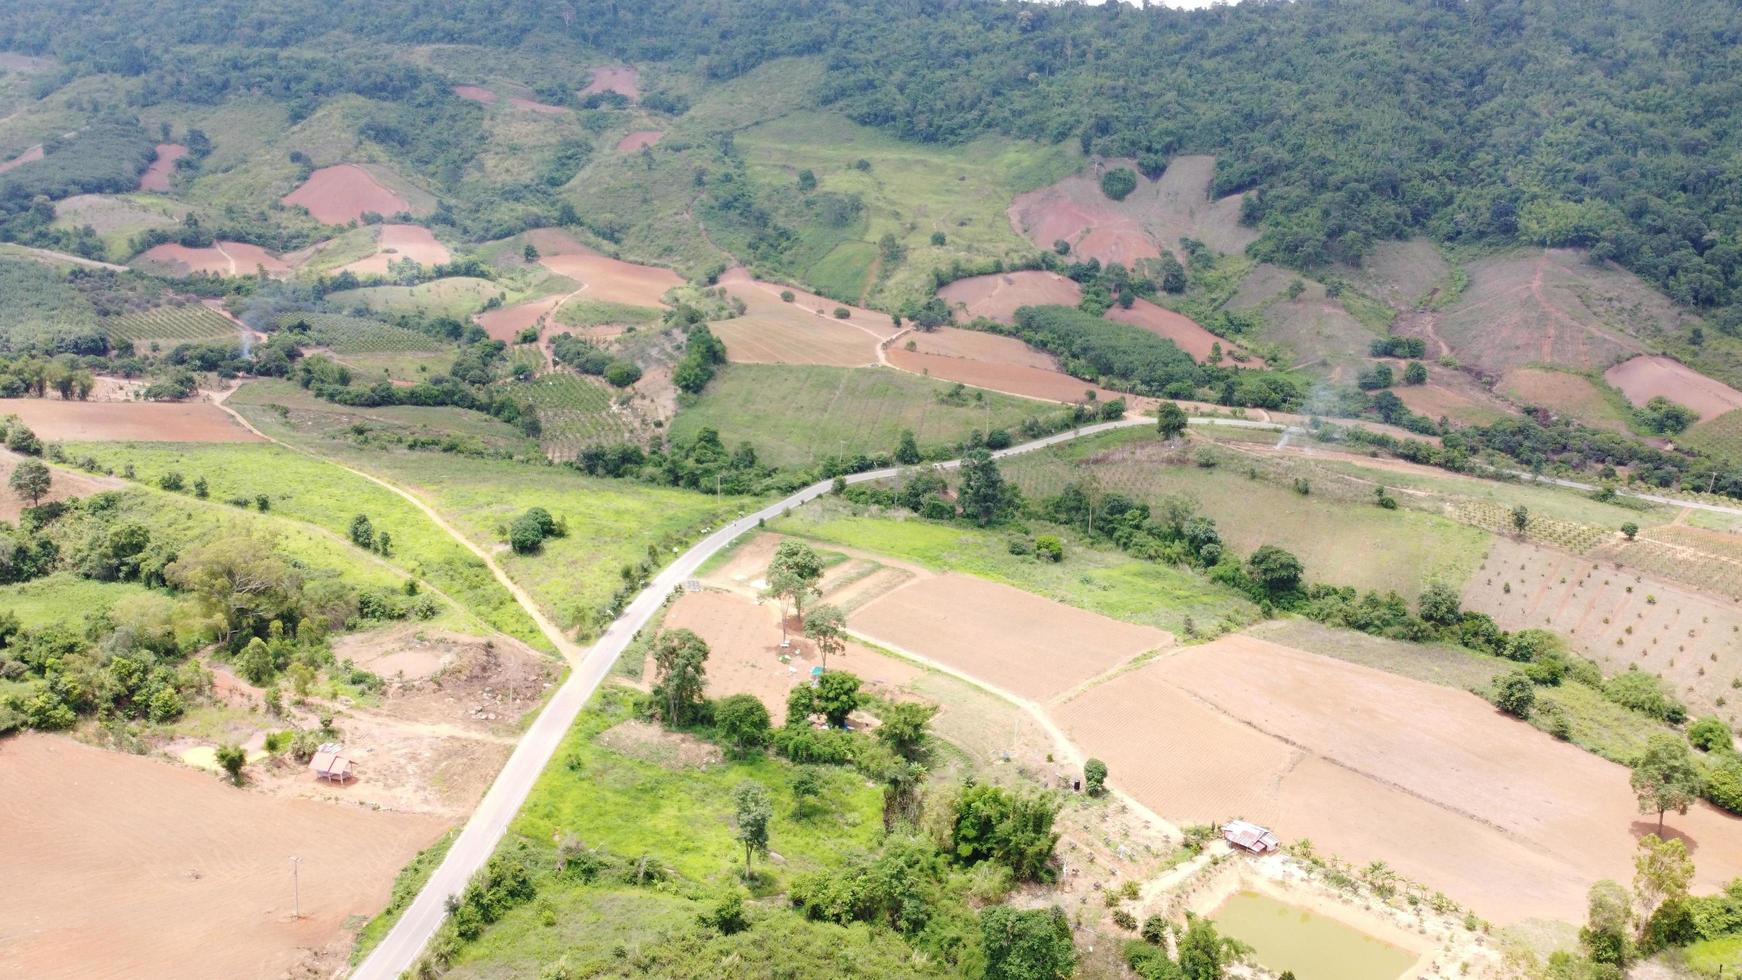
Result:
pixel 751 812
pixel 793 574
pixel 827 628
pixel 679 668
pixel 984 496
pixel 1027 944
pixel 1666 777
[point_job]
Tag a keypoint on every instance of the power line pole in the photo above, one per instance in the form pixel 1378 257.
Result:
pixel 296 886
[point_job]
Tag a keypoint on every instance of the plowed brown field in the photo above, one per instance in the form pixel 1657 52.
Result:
pixel 989 361
pixel 119 866
pixel 1177 327
pixel 997 297
pixel 156 176
pixel 804 331
pixel 220 259
pixel 336 195
pixel 613 280
pixel 126 421
pixel 1373 766
pixel 1644 378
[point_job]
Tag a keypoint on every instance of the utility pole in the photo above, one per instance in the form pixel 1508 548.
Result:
pixel 296 886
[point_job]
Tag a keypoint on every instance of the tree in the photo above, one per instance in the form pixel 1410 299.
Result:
pixel 525 535
pixel 1027 944
pixel 1118 183
pixel 1515 694
pixel 20 439
pixel 827 628
pixel 1521 518
pixel 679 669
pixel 232 758
pixel 1415 373
pixel 1095 777
pixel 1608 924
pixel 743 721
pixel 1439 605
pixel 1277 571
pixel 362 532
pixel 1200 951
pixel 31 480
pixel 807 786
pixel 1666 777
pixel 792 576
pixel 990 823
pixel 255 662
pixel 984 496
pixel 1170 420
pixel 1662 872
pixel 903 727
pixel 751 813
pixel 1629 530
pixel 907 452
pixel 807 181
pixel 836 696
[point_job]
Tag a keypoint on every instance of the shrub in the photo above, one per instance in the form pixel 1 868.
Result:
pixel 786 296
pixel 1015 830
pixel 172 481
pixel 742 720
pixel 1710 734
pixel 1118 183
pixel 1644 693
pixel 622 374
pixel 1095 777
pixel 232 758
pixel 842 313
pixel 1724 784
pixel 1515 694
pixel 1049 548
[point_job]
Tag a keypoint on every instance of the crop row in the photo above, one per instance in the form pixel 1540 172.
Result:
pixel 177 323
pixel 360 335
pixel 575 413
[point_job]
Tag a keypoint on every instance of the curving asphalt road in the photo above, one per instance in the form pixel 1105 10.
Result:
pixel 399 950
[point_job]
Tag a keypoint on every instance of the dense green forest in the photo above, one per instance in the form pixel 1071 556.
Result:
pixel 1598 123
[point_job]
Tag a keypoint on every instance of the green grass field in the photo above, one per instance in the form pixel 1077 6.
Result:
pixel 795 415
pixel 301 418
pixel 595 313
pixel 460 296
pixel 1104 582
pixel 1341 542
pixel 611 523
pixel 62 598
pixel 307 490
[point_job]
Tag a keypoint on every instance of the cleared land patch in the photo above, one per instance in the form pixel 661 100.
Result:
pixel 611 280
pixel 987 360
pixel 999 296
pixel 1018 641
pixel 219 258
pixel 1370 766
pixel 63 421
pixel 1644 378
pixel 1564 393
pixel 395 243
pixel 625 80
pixel 1154 216
pixel 803 331
pixel 133 863
pixel 344 193
pixel 1185 332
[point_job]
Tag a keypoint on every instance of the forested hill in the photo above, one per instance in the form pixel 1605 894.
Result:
pixel 1600 123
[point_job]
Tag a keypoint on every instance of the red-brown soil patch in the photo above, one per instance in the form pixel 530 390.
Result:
pixel 1562 392
pixel 1644 378
pixel 1168 325
pixel 622 79
pixel 804 331
pixel 1450 401
pixel 505 323
pixel 613 280
pixel 989 361
pixel 66 484
pixel 638 140
pixel 336 195
pixel 156 176
pixel 219 259
pixel 1373 766
pixel 125 866
pixel 1015 640
pixel 475 93
pixel 193 421
pixel 1154 216
pixel 744 642
pixel 999 296
pixel 31 155
pixel 397 242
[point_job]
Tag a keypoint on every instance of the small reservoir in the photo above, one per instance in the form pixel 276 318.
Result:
pixel 1313 946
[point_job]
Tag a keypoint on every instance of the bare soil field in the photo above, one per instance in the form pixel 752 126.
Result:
pixel 1323 336
pixel 1372 766
pixel 156 176
pixel 340 194
pixel 1644 378
pixel 220 258
pixel 997 297
pixel 192 421
pixel 123 866
pixel 1619 616
pixel 743 636
pixel 625 80
pixel 1168 325
pixel 613 280
pixel 505 322
pixel 638 140
pixel 476 93
pixel 1018 641
pixel 1154 216
pixel 66 484
pixel 804 331
pixel 1564 393
pixel 31 155
pixel 397 242
pixel 1453 396
pixel 989 361
pixel 1553 308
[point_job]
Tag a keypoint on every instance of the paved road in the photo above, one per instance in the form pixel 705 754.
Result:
pixel 402 945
